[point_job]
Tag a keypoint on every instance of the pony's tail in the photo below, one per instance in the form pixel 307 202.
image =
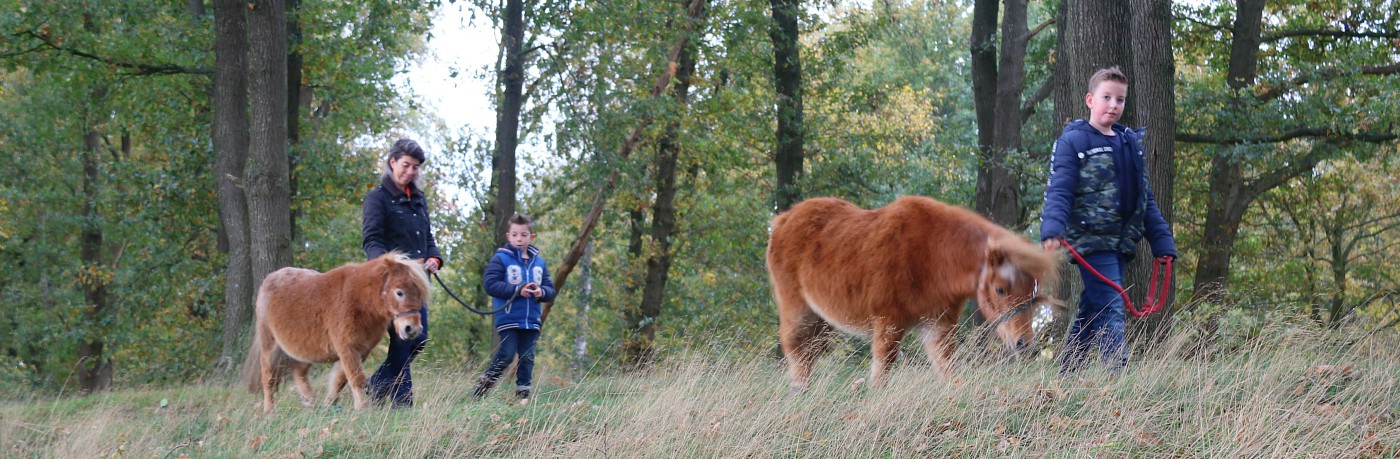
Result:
pixel 252 366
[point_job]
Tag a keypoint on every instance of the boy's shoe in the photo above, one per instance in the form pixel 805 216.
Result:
pixel 482 386
pixel 522 393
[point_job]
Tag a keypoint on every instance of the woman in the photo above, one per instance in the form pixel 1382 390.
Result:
pixel 395 218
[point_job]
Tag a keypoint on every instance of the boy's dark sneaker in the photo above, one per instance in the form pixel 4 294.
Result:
pixel 482 386
pixel 522 393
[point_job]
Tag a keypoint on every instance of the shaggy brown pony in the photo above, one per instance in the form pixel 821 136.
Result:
pixel 306 317
pixel 880 273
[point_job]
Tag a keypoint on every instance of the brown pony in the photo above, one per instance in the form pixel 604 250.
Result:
pixel 879 273
pixel 306 317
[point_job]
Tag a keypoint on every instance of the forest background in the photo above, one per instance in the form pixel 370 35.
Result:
pixel 167 155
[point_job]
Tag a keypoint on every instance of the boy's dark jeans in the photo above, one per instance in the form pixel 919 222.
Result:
pixel 514 342
pixel 393 379
pixel 1100 320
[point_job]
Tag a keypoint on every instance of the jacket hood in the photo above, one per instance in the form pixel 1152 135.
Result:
pixel 1084 127
pixel 531 249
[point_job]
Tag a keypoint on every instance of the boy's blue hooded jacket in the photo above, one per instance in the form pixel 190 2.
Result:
pixel 1083 198
pixel 506 274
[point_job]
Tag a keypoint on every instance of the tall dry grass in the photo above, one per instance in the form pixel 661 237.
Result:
pixel 1298 393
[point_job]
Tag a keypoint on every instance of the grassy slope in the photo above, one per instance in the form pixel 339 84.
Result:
pixel 1275 401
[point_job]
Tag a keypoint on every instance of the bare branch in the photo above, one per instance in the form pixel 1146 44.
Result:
pixel 136 68
pixel 1370 137
pixel 1039 28
pixel 1046 90
pixel 1274 92
pixel 1276 36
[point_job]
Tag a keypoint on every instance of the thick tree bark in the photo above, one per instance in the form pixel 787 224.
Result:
pixel 1068 100
pixel 230 154
pixel 787 75
pixel 1155 68
pixel 266 175
pixel 1099 36
pixel 512 80
pixel 984 71
pixel 94 366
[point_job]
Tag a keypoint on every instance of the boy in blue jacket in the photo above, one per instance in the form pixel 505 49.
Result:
pixel 518 281
pixel 1098 200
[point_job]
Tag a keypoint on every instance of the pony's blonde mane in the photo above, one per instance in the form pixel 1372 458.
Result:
pixel 1029 257
pixel 420 275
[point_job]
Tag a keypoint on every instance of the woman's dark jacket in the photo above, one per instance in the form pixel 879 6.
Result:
pixel 395 220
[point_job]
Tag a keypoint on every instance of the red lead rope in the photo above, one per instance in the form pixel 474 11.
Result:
pixel 1156 299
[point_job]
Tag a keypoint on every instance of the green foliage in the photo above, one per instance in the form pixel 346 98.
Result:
pixel 888 112
pixel 136 76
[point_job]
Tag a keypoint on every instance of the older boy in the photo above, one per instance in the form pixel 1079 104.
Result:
pixel 1099 200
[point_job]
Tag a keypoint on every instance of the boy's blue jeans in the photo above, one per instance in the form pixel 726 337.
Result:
pixel 393 379
pixel 515 342
pixel 1100 320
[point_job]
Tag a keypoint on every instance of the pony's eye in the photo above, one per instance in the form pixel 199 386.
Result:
pixel 399 293
pixel 1000 291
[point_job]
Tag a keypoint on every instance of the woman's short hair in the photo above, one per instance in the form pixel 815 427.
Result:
pixel 407 147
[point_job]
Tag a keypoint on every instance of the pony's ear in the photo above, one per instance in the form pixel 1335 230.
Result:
pixel 996 255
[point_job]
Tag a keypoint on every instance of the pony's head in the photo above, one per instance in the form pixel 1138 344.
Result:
pixel 1009 289
pixel 405 291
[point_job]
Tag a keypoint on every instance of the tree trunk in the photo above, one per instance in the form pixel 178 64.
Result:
pixel 294 65
pixel 1098 36
pixel 268 188
pixel 230 154
pixel 1085 49
pixel 639 348
pixel 1068 102
pixel 94 366
pixel 787 74
pixel 1227 197
pixel 984 72
pixel 1155 68
pixel 998 194
pixel 579 365
pixel 512 80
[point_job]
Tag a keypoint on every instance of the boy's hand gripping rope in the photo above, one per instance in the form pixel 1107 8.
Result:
pixel 1156 299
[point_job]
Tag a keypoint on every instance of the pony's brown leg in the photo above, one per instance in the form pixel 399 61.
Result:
pixel 299 372
pixel 939 343
pixel 269 375
pixel 269 372
pixel 804 339
pixel 335 384
pixel 352 364
pixel 884 347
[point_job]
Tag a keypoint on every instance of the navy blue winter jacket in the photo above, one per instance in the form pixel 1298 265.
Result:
pixel 393 220
pixel 1083 198
pixel 506 274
